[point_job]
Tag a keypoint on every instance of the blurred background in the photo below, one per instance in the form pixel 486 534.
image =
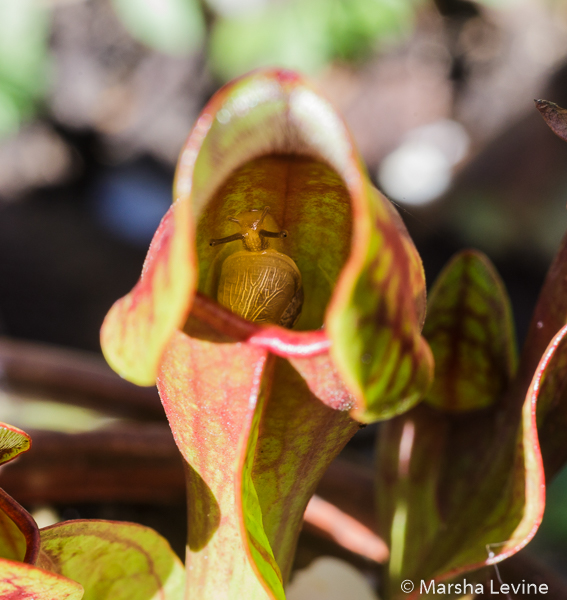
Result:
pixel 98 96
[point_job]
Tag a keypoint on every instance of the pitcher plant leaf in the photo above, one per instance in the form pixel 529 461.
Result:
pixel 459 490
pixel 112 560
pixel 470 331
pixel 20 580
pixel 250 391
pixel 210 393
pixel 13 441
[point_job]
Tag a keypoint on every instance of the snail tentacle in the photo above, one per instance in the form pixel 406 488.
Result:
pixel 225 240
pixel 273 234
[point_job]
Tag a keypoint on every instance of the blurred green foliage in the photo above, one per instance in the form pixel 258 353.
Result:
pixel 298 34
pixel 244 34
pixel 24 31
pixel 172 26
pixel 306 35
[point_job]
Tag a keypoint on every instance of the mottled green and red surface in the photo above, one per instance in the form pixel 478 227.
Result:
pixel 19 540
pixel 461 483
pixel 93 560
pixel 13 441
pixel 19 536
pixel 269 139
pixel 113 561
pixel 258 412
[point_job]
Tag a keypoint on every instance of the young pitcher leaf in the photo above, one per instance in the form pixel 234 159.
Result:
pixel 112 560
pixel 470 332
pixel 20 581
pixel 451 493
pixel 459 489
pixel 268 142
pixel 375 312
pixel 13 441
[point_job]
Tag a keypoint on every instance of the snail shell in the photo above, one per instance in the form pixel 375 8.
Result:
pixel 260 286
pixel 259 283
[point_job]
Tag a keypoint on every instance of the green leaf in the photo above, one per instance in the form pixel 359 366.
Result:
pixel 113 561
pixel 173 26
pixel 470 332
pixel 19 581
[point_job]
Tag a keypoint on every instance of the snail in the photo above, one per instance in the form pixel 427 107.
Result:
pixel 259 283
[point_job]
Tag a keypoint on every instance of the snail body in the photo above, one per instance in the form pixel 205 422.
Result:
pixel 258 282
